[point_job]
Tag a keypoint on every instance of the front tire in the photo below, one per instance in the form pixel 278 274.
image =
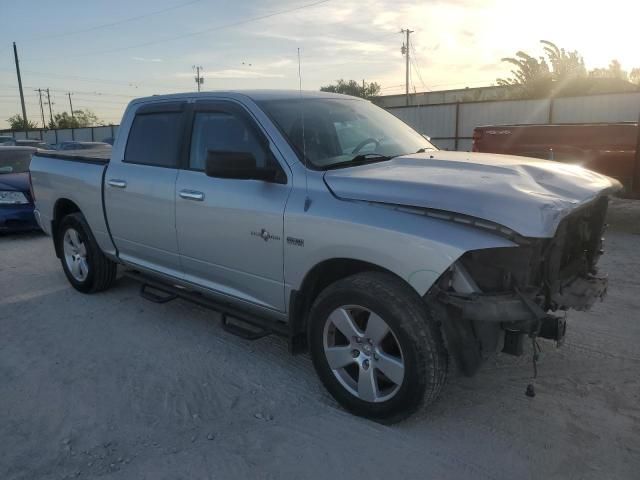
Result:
pixel 375 346
pixel 86 267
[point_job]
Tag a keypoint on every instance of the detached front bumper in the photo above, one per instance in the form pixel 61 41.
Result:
pixel 16 218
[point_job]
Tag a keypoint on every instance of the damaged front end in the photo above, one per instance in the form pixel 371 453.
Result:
pixel 495 298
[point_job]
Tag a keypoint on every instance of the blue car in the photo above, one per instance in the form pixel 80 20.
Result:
pixel 16 201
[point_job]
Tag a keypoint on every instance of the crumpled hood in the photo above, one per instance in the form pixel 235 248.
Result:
pixel 527 195
pixel 14 182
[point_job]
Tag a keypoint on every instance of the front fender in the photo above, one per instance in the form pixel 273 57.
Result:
pixel 416 248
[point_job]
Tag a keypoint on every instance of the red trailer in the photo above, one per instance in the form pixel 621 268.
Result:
pixel 609 148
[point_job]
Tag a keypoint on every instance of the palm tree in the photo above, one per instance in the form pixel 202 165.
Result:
pixel 543 77
pixel 564 64
pixel 531 75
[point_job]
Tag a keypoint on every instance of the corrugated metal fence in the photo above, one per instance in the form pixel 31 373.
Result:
pixel 451 125
pixel 88 134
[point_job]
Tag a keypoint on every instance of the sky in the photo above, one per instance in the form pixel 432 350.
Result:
pixel 107 52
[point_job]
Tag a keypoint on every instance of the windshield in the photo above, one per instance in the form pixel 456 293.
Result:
pixel 14 162
pixel 336 131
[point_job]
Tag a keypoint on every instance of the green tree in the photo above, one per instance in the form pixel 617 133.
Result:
pixel 17 123
pixel 353 88
pixel 634 76
pixel 80 119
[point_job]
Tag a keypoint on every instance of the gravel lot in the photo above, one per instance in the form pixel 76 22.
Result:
pixel 113 386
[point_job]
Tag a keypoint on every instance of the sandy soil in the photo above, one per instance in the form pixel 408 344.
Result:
pixel 113 386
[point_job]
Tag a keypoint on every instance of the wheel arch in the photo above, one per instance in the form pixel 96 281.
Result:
pixel 317 279
pixel 61 209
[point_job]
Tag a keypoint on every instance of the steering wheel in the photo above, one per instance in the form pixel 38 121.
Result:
pixel 366 141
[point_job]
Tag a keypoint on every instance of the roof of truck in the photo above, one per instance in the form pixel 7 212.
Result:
pixel 257 95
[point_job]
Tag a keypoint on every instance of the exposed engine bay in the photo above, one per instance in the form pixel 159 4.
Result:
pixel 497 297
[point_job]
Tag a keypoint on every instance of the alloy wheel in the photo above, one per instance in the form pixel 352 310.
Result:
pixel 363 353
pixel 75 255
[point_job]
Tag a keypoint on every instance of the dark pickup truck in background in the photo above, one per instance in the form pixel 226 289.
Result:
pixel 612 149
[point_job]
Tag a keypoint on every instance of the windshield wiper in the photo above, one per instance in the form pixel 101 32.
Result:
pixel 362 159
pixel 425 149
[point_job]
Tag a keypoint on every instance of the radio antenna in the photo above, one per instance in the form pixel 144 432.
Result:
pixel 307 200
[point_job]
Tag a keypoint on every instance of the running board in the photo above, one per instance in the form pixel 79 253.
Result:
pixel 243 329
pixel 148 293
pixel 234 320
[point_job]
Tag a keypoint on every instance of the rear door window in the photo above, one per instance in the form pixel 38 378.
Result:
pixel 154 139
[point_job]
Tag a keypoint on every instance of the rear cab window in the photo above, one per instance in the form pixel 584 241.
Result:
pixel 155 136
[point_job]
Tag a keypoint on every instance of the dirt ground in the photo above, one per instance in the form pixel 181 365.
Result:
pixel 113 386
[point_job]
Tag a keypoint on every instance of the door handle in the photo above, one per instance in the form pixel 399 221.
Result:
pixel 117 183
pixel 191 195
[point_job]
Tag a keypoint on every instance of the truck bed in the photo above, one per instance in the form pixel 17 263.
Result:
pixel 72 177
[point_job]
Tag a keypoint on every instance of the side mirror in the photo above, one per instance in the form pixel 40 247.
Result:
pixel 237 165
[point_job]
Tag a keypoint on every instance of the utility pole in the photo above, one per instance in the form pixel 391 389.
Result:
pixel 41 107
pixel 70 104
pixel 24 110
pixel 199 79
pixel 50 111
pixel 405 50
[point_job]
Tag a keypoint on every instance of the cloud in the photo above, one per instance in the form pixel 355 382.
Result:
pixel 147 60
pixel 338 45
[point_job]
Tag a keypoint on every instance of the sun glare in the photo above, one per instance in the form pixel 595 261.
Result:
pixel 599 34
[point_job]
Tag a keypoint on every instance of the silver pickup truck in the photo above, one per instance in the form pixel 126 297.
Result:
pixel 328 220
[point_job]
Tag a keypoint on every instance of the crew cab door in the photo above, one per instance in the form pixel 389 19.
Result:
pixel 230 230
pixel 139 191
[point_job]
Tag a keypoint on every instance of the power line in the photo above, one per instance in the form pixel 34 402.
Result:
pixel 392 86
pixel 81 92
pixel 99 94
pixel 111 24
pixel 134 84
pixel 415 66
pixel 201 32
pixel 87 79
pixel 94 100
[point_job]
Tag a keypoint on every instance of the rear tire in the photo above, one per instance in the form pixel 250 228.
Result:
pixel 86 267
pixel 376 348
